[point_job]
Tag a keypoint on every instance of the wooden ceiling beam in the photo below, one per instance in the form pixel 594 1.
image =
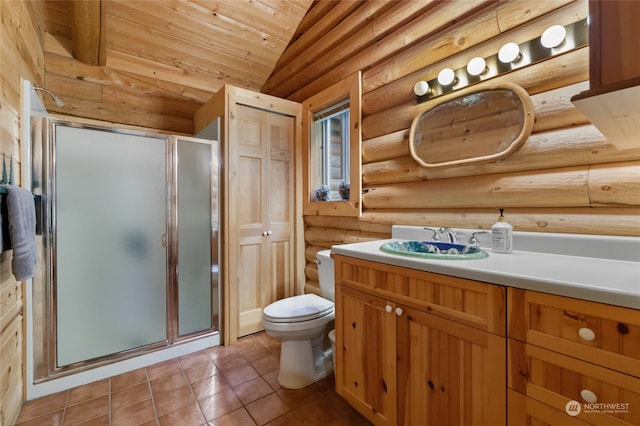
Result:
pixel 88 32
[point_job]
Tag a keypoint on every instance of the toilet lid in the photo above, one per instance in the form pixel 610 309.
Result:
pixel 298 308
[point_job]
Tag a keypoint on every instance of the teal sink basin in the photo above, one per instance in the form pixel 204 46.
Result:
pixel 433 250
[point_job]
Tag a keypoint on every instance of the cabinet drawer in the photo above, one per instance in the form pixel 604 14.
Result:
pixel 602 334
pixel 525 411
pixel 477 304
pixel 605 396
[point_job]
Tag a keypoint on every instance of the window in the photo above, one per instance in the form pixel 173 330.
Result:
pixel 330 140
pixel 332 150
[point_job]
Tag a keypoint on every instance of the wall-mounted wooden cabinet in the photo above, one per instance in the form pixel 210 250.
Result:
pixel 260 139
pixel 614 71
pixel 613 42
pixel 415 348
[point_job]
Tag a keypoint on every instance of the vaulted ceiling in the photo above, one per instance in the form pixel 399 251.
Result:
pixel 154 63
pixel 176 51
pixel 204 42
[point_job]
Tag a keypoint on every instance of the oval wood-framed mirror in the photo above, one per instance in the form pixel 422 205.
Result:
pixel 479 124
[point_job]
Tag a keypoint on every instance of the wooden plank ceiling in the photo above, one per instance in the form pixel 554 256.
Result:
pixel 179 50
pixel 163 59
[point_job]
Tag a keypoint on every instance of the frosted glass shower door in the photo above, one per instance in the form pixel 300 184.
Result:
pixel 197 218
pixel 110 233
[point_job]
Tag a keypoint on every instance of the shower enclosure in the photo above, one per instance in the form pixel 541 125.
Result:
pixel 128 244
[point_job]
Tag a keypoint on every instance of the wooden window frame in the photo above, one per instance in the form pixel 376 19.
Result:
pixel 350 87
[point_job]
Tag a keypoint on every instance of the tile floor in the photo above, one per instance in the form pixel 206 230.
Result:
pixel 233 385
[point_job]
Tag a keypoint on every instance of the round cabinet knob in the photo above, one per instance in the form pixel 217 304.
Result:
pixel 268 232
pixel 388 308
pixel 264 233
pixel 588 396
pixel 586 334
pixel 399 311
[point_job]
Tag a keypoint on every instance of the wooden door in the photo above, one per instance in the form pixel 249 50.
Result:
pixel 280 201
pixel 449 373
pixel 261 205
pixel 366 354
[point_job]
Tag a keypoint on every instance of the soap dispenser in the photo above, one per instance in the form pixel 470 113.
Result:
pixel 502 235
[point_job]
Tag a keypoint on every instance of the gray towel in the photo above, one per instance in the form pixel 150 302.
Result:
pixel 22 231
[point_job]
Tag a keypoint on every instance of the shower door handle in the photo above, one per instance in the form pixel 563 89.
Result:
pixel 164 240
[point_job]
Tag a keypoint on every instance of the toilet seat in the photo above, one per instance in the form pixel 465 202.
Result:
pixel 301 308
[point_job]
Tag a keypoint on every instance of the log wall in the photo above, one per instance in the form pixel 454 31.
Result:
pixel 566 178
pixel 21 56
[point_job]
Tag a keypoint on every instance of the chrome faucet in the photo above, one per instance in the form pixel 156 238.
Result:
pixel 453 239
pixel 473 240
pixel 435 236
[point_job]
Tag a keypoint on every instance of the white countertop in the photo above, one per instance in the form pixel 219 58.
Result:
pixel 573 271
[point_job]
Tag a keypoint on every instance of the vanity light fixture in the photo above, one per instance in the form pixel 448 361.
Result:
pixel 509 53
pixel 447 77
pixel 421 88
pixel 555 40
pixel 553 36
pixel 477 66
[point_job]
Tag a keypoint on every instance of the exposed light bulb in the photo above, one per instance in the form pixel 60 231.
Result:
pixel 553 36
pixel 509 53
pixel 476 66
pixel 421 88
pixel 446 77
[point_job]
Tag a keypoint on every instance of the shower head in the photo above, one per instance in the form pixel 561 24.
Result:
pixel 56 99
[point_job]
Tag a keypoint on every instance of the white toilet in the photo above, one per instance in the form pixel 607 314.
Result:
pixel 301 322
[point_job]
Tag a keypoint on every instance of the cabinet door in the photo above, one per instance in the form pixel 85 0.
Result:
pixel 365 354
pixel 449 373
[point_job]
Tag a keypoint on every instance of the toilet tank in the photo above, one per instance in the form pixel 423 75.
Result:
pixel 325 274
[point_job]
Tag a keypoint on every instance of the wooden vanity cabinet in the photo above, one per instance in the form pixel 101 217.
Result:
pixel 414 347
pixel 563 349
